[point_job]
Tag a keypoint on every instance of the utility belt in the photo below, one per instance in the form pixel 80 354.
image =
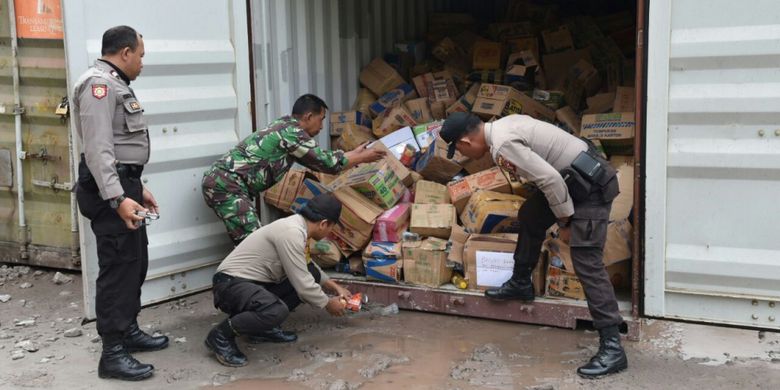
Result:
pixel 589 173
pixel 124 171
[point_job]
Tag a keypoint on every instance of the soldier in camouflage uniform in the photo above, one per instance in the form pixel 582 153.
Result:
pixel 231 184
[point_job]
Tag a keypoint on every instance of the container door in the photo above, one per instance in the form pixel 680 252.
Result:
pixel 195 88
pixel 713 162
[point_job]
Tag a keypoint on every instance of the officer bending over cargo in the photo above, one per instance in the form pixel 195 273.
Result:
pixel 576 189
pixel 268 275
pixel 231 184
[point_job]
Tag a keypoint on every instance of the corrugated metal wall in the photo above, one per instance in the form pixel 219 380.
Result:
pixel 43 84
pixel 713 162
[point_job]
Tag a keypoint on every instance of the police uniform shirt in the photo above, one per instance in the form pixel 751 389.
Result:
pixel 109 121
pixel 537 151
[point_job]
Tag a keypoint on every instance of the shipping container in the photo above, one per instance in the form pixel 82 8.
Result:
pixel 707 146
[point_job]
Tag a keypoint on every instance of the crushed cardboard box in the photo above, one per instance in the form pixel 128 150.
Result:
pixel 624 100
pixel 358 216
pixel 458 239
pixel 426 133
pixel 425 262
pixel 433 220
pixel 488 261
pixel 502 100
pixel 558 39
pixel 487 55
pixel 353 136
pixel 396 118
pixel 420 110
pixel 491 212
pixel 282 194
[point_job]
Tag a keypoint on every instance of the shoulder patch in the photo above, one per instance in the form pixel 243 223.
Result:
pixel 99 91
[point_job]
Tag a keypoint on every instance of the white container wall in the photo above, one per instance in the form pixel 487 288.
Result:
pixel 713 162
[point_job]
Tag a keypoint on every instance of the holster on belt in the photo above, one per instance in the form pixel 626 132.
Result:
pixel 589 172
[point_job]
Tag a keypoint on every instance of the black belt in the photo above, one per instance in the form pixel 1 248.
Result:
pixel 129 170
pixel 220 277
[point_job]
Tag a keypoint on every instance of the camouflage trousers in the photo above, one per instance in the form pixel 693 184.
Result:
pixel 230 199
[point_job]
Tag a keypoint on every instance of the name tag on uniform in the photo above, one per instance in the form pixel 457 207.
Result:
pixel 135 106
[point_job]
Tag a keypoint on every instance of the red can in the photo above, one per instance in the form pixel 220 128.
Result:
pixel 355 303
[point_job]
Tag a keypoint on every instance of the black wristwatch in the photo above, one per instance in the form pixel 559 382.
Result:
pixel 115 202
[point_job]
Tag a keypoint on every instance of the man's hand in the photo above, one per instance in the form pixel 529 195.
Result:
pixel 336 306
pixel 361 154
pixel 335 288
pixel 149 201
pixel 564 234
pixel 126 211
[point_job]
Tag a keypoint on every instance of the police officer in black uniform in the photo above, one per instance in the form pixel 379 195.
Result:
pixel 110 124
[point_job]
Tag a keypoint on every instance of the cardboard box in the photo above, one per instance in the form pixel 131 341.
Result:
pixel 600 103
pixel 491 212
pixel 339 120
pixel 488 261
pixel 434 165
pixel 611 129
pixel 379 77
pixel 582 81
pixel 396 141
pixel 428 192
pixel 416 50
pixel 439 110
pixel 502 31
pixel 392 223
pixel 393 98
pixel 433 220
pixel 616 248
pixel 282 194
pixel 358 216
pixel 403 173
pixel 501 100
pixel 443 91
pixel 521 70
pixel 425 262
pixel 325 253
pixel 487 55
pixel 466 102
pixel 568 120
pixel 397 118
pixel 481 164
pixel 558 39
pixel 307 191
pixel 458 239
pixel 376 181
pixel 354 135
pixel 556 66
pixel 363 100
pixel 624 100
pixel 563 284
pixel 525 43
pixel 426 133
pixel 553 100
pixel 624 202
pixel 383 261
pixel 447 51
pixel 419 110
pixel 492 179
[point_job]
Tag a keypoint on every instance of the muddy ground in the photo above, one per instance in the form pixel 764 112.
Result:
pixel 408 350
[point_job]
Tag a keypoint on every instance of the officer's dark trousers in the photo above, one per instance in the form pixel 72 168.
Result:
pixel 122 255
pixel 588 235
pixel 255 307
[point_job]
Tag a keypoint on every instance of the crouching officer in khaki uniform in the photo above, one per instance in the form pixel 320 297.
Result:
pixel 576 189
pixel 110 124
pixel 268 275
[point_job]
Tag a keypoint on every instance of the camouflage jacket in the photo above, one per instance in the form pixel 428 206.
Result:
pixel 262 159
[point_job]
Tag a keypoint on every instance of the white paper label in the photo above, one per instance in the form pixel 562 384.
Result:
pixel 494 268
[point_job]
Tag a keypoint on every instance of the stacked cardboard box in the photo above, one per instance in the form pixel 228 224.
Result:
pixel 416 216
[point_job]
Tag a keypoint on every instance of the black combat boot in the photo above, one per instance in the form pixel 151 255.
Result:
pixel 136 340
pixel 275 335
pixel 610 358
pixel 222 341
pixel 116 362
pixel 516 288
